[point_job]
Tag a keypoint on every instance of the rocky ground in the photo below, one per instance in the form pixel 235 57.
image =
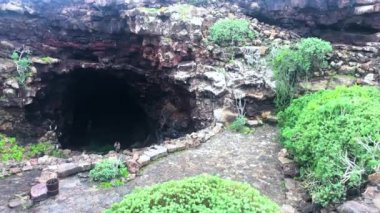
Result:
pixel 251 159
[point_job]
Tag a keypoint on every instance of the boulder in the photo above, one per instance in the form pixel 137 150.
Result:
pixel 68 169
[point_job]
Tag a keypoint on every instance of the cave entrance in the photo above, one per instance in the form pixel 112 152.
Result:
pixel 93 109
pixel 104 109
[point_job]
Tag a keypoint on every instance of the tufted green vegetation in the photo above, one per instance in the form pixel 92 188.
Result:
pixel 334 135
pixel 230 31
pixel 240 125
pixel 9 149
pixel 297 62
pixel 39 149
pixel 202 193
pixel 108 169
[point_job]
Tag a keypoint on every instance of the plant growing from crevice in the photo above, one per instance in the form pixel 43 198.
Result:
pixel 202 193
pixel 240 123
pixel 334 137
pixel 294 63
pixel 230 31
pixel 23 62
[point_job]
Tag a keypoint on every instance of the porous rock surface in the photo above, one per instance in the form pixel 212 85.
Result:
pixel 162 43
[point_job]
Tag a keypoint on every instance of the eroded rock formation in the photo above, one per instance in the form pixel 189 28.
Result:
pixel 342 20
pixel 158 50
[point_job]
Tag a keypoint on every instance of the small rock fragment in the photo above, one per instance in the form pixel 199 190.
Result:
pixel 47 175
pixel 376 201
pixel 287 209
pixel 156 152
pixel 374 178
pixel 175 147
pixel 38 192
pixel 15 202
pixel 133 166
pixel 143 160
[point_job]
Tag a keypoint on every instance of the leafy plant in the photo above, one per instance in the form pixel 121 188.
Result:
pixel 313 53
pixel 108 169
pixel 112 183
pixel 294 63
pixel 202 193
pixel 58 153
pixel 9 149
pixel 230 31
pixel 22 61
pixel 39 149
pixel 239 125
pixel 334 135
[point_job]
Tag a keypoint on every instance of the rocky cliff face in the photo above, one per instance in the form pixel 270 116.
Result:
pixel 176 78
pixel 351 18
pixel 157 49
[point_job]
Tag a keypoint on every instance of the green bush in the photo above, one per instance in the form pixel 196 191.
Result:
pixel 296 62
pixel 108 170
pixel 9 149
pixel 230 31
pixel 196 194
pixel 334 135
pixel 313 53
pixel 42 148
pixel 285 65
pixel 239 125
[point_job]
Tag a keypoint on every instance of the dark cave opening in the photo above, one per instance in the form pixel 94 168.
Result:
pixel 104 110
pixel 93 109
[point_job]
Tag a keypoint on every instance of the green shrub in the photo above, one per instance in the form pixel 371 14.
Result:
pixel 295 63
pixel 39 149
pixel 108 170
pixel 334 135
pixel 230 31
pixel 239 125
pixel 285 65
pixel 313 53
pixel 9 149
pixel 196 194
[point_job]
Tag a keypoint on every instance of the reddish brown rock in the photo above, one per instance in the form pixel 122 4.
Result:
pixel 374 178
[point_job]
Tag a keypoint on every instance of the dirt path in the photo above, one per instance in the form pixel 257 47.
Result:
pixel 251 159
